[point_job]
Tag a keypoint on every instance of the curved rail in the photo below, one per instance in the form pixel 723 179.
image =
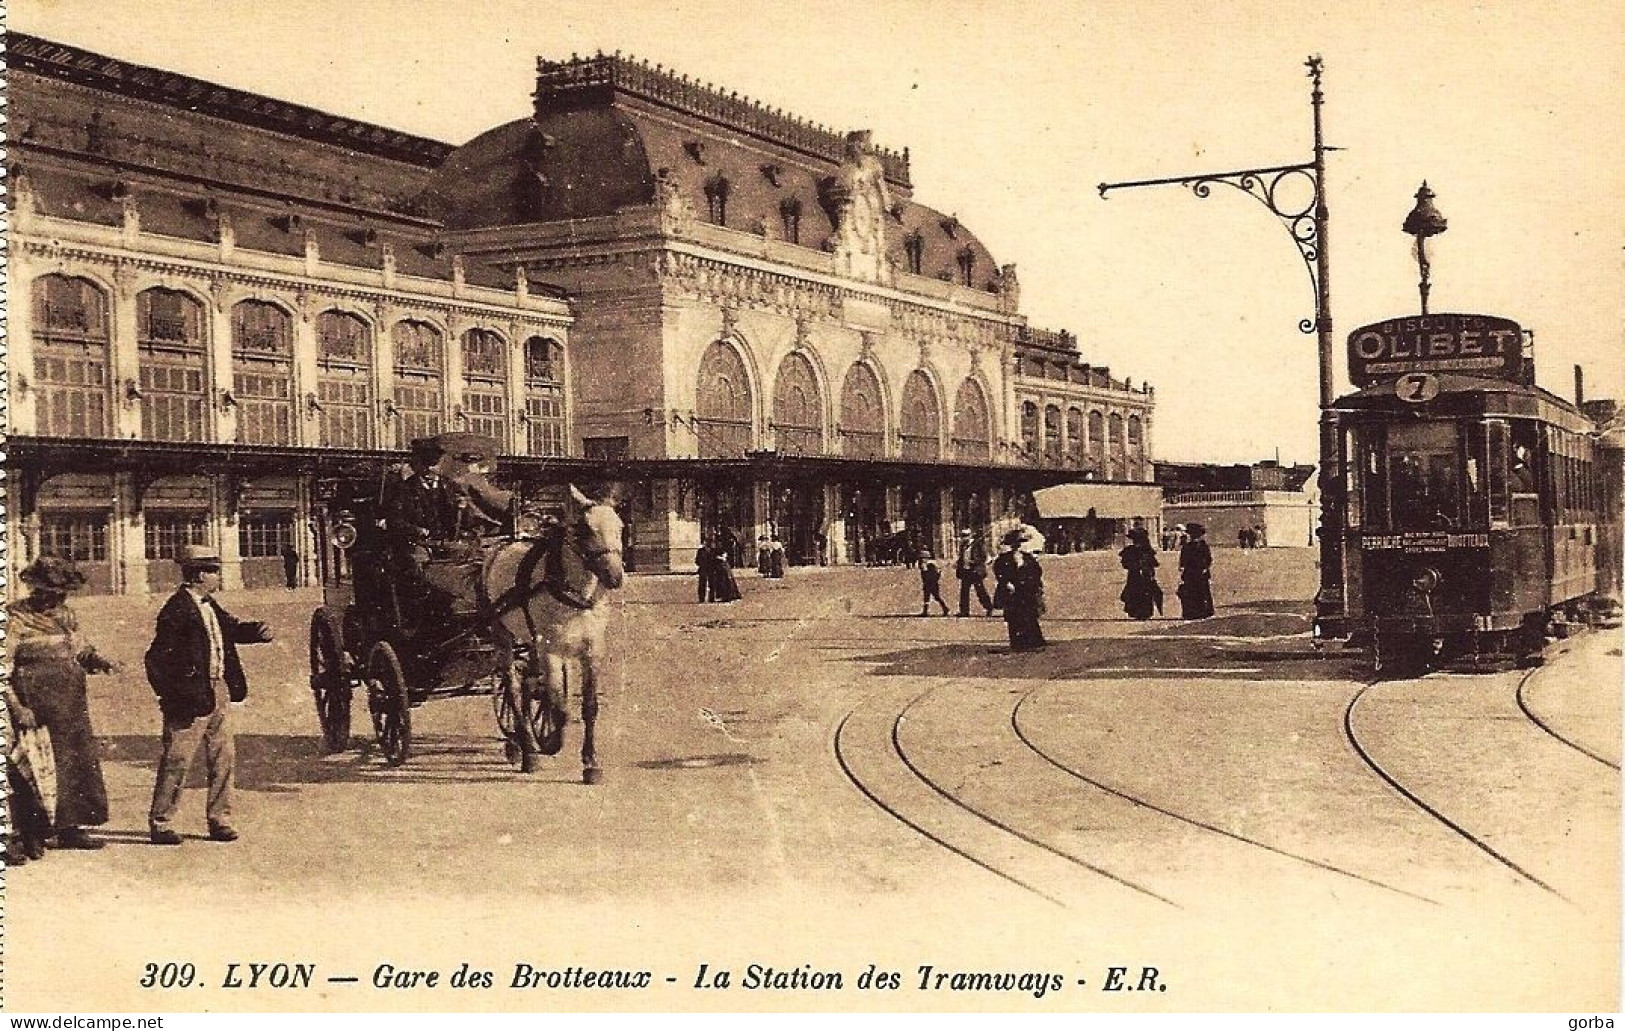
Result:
pixel 1015 724
pixel 1416 800
pixel 1523 704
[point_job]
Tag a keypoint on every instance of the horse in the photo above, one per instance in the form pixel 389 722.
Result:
pixel 546 596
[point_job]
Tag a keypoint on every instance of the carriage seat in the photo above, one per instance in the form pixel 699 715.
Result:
pixel 453 572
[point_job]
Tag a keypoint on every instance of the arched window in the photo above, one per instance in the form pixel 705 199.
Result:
pixel 717 189
pixel 966 258
pixel 1116 432
pixel 863 414
pixel 169 337
pixel 921 419
pixel 1052 435
pixel 1097 438
pixel 790 214
pixel 262 372
pixel 1029 430
pixel 71 360
pixel 971 436
pixel 420 364
pixel 798 408
pixel 1115 453
pixel 723 404
pixel 544 397
pixel 485 385
pixel 1134 429
pixel 344 379
pixel 1074 437
pixel 914 251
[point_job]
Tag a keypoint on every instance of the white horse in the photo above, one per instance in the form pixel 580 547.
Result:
pixel 546 596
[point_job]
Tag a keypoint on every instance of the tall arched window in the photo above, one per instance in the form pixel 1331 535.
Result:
pixel 1074 437
pixel 544 397
pixel 971 436
pixel 1136 447
pixel 420 364
pixel 723 404
pixel 921 419
pixel 1114 441
pixel 1029 430
pixel 262 372
pixel 71 360
pixel 169 336
pixel 1097 440
pixel 1052 435
pixel 485 385
pixel 344 379
pixel 798 408
pixel 863 414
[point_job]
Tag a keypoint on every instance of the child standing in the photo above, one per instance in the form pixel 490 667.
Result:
pixel 930 584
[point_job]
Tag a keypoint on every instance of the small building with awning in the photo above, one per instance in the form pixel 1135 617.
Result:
pixel 1091 516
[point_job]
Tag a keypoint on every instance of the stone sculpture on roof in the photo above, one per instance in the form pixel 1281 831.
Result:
pixel 862 201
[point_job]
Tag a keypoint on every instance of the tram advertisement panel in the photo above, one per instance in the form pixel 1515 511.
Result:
pixel 1487 346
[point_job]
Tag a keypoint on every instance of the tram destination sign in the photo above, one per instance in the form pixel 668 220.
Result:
pixel 1471 345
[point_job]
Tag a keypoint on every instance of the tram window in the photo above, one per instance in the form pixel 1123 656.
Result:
pixel 1521 476
pixel 1425 481
pixel 1372 479
pixel 1477 475
pixel 1495 467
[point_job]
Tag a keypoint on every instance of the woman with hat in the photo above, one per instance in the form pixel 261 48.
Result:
pixel 1141 592
pixel 50 663
pixel 1021 586
pixel 1195 575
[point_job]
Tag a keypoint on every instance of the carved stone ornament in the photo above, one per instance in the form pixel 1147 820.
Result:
pixel 676 213
pixel 860 235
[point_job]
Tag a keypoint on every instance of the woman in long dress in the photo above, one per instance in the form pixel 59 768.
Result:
pixel 1195 575
pixel 50 663
pixel 1141 590
pixel 723 585
pixel 1021 583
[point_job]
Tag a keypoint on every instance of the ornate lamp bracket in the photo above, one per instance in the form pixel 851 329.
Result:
pixel 1268 186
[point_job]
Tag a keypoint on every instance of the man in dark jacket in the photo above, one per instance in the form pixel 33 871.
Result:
pixel 194 670
pixel 971 568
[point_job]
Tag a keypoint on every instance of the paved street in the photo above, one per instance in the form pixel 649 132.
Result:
pixel 816 775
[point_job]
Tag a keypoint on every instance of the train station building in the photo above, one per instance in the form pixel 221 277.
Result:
pixel 745 320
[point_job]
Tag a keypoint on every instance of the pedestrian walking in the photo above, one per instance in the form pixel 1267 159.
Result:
pixel 970 567
pixel 704 555
pixel 930 584
pixel 1141 592
pixel 194 670
pixel 49 663
pixel 764 557
pixel 1021 587
pixel 1195 575
pixel 724 587
pixel 775 562
pixel 290 565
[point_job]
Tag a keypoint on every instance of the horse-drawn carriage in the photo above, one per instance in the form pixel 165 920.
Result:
pixel 499 607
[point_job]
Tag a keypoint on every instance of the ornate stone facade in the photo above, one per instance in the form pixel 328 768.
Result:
pixel 763 333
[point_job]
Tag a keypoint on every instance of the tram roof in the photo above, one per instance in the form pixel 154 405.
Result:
pixel 1472 396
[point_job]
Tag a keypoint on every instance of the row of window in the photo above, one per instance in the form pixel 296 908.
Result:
pixel 718 189
pixel 724 406
pixel 1102 430
pixel 73 375
pixel 82 536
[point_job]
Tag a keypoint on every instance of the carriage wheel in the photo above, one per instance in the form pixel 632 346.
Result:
pixel 330 684
pixel 387 698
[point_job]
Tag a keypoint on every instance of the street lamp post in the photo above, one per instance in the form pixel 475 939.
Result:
pixel 1424 221
pixel 1307 225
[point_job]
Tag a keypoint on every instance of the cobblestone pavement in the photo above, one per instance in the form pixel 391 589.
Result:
pixel 815 775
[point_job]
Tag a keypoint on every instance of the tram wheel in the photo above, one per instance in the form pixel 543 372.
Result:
pixel 387 699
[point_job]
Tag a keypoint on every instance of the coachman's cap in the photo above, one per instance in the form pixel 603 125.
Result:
pixel 427 449
pixel 50 573
pixel 197 556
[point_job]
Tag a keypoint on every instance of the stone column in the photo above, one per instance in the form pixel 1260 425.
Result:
pixel 223 418
pixel 125 356
pixel 127 538
pixel 383 376
pixel 223 518
pixel 307 422
pixel 20 335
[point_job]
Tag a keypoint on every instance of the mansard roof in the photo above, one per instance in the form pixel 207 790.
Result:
pixel 61 61
pixel 606 128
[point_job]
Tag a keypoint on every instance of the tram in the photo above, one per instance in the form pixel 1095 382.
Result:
pixel 1481 508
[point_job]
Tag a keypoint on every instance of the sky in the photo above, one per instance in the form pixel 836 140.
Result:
pixel 1013 112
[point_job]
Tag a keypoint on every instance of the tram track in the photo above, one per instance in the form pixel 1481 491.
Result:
pixel 1528 710
pixel 1393 780
pixel 869 748
pixel 1144 803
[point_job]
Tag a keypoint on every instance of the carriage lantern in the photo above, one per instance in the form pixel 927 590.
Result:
pixel 1424 221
